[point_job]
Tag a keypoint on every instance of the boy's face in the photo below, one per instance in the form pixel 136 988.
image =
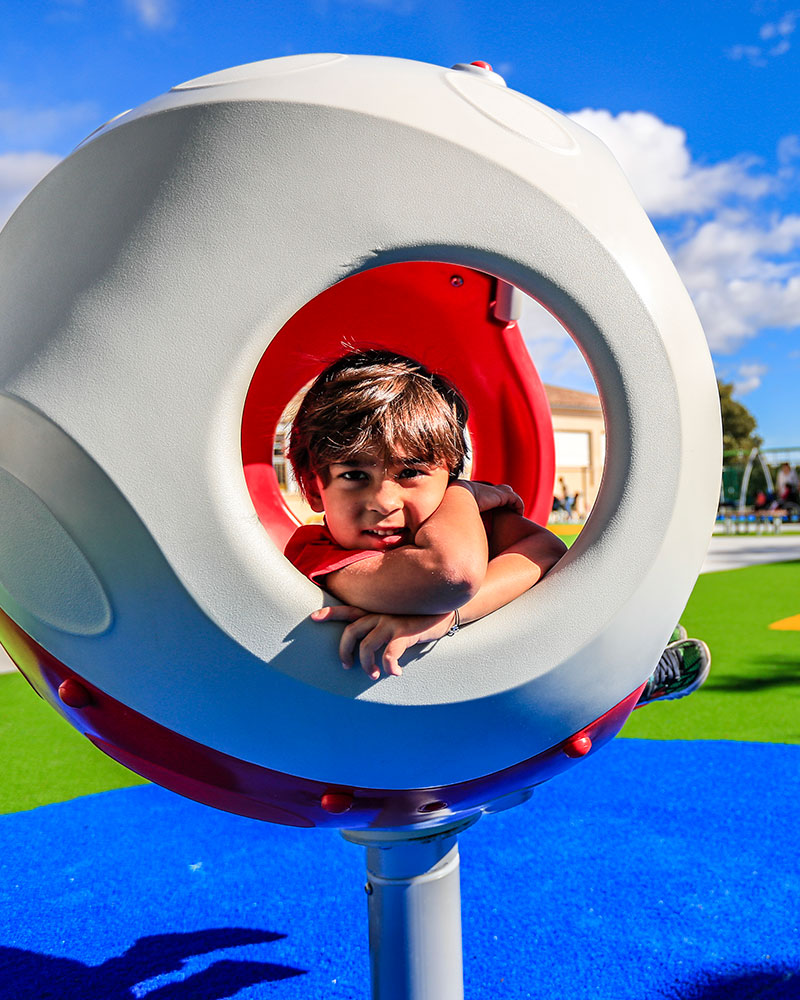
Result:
pixel 369 505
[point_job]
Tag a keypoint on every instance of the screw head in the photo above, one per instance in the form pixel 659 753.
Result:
pixel 429 807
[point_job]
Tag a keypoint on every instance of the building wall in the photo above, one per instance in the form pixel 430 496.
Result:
pixel 580 444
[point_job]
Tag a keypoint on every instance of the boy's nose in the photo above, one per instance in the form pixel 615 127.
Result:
pixel 386 497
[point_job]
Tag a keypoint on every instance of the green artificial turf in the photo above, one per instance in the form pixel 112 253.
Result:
pixel 42 758
pixel 753 692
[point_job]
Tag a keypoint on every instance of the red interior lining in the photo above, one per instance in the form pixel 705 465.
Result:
pixel 422 310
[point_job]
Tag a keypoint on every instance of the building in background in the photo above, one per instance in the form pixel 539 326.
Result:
pixel 580 444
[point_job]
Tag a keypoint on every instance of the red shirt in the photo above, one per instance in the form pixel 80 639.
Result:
pixel 314 552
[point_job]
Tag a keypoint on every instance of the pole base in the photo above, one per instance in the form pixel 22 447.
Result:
pixel 414 906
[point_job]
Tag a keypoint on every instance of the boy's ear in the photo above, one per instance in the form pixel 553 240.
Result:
pixel 314 496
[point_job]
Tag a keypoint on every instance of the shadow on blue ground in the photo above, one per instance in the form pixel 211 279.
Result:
pixel 749 984
pixel 26 975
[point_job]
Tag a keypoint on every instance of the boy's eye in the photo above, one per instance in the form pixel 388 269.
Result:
pixel 411 472
pixel 353 475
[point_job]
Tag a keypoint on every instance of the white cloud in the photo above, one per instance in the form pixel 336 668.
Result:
pixel 749 378
pixel 656 158
pixel 154 13
pixel 753 54
pixel 775 35
pixel 743 275
pixel 37 127
pixel 740 263
pixel 19 172
pixel 788 150
pixel 781 28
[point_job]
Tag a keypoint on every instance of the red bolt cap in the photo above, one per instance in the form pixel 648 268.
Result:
pixel 578 746
pixel 482 64
pixel 73 694
pixel 336 802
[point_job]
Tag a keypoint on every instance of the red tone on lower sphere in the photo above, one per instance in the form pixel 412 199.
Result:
pixel 73 694
pixel 224 782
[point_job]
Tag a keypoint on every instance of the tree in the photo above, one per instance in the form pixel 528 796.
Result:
pixel 738 423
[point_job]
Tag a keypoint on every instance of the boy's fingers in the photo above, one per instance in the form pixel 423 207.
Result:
pixel 369 634
pixel 381 636
pixel 369 646
pixel 352 636
pixel 338 613
pixel 356 634
pixel 394 650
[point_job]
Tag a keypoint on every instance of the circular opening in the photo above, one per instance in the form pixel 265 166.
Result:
pixel 452 319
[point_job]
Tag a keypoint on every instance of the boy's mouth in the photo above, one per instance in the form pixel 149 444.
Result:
pixel 387 536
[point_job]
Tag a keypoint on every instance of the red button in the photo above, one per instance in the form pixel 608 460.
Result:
pixel 336 802
pixel 482 64
pixel 74 694
pixel 578 746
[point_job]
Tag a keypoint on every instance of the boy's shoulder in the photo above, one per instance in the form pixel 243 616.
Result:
pixel 307 534
pixel 312 550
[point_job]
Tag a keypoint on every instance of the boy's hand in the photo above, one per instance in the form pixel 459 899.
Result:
pixel 490 497
pixel 369 632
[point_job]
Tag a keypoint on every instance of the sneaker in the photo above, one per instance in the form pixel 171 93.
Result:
pixel 683 667
pixel 678 633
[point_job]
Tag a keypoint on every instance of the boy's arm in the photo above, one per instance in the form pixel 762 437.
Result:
pixel 442 569
pixel 525 552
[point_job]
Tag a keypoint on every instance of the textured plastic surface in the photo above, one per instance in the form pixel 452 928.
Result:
pixel 43 569
pixel 142 281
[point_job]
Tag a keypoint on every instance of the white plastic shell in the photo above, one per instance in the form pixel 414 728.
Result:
pixel 140 283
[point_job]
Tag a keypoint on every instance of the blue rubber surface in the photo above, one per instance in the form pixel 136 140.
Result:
pixel 653 870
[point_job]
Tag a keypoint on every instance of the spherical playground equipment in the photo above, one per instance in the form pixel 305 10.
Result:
pixel 168 288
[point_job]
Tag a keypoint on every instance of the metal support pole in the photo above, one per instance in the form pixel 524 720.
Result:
pixel 414 905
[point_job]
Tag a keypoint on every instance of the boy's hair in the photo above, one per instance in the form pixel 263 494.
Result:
pixel 377 402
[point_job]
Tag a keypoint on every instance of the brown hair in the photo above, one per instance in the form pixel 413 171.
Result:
pixel 378 402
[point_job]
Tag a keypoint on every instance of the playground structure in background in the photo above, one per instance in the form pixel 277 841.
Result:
pixel 748 500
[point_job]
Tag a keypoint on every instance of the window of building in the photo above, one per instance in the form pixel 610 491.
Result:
pixel 572 449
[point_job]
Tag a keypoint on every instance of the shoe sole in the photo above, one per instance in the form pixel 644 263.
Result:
pixel 699 681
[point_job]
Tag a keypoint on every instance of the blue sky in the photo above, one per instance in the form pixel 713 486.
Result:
pixel 699 101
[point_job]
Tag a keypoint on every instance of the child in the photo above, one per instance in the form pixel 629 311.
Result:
pixel 411 550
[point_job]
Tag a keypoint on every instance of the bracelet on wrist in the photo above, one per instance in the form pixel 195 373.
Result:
pixel 456 623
